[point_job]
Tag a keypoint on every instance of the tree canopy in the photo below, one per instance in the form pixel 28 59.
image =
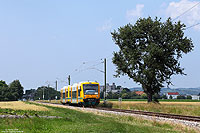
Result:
pixel 149 52
pixel 49 93
pixel 11 92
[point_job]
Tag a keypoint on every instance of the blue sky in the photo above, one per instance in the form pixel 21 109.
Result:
pixel 47 40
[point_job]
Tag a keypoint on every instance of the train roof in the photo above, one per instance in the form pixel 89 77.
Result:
pixel 75 84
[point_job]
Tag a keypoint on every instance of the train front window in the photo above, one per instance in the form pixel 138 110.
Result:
pixel 90 89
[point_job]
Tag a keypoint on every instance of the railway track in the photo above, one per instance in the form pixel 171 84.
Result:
pixel 164 115
pixel 147 113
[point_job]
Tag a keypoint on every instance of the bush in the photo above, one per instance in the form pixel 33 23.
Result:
pixel 180 97
pixel 189 97
pixel 106 104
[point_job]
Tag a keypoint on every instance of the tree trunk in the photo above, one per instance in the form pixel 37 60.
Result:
pixel 149 96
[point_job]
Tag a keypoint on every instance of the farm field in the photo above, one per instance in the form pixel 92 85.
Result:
pixel 77 121
pixel 161 100
pixel 181 108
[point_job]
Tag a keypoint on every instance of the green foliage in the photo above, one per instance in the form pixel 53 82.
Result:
pixel 181 97
pixel 164 97
pixel 3 84
pixel 49 93
pixel 126 95
pixel 16 89
pixel 189 97
pixel 12 92
pixel 150 51
pixel 105 104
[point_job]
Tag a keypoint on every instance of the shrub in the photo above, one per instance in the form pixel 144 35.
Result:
pixel 106 104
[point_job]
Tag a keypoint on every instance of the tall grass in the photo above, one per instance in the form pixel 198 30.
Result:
pixel 77 121
pixel 19 105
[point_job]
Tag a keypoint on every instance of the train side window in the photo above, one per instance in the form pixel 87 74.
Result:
pixel 63 95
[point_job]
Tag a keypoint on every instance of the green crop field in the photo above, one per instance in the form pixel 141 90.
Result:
pixel 77 121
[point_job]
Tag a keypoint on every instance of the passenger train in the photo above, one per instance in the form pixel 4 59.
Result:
pixel 83 94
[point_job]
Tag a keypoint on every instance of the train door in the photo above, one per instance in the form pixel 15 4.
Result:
pixel 61 93
pixel 71 93
pixel 74 94
pixel 65 95
pixel 79 93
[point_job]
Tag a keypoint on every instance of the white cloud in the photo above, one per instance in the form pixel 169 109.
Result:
pixel 131 15
pixel 191 17
pixel 106 26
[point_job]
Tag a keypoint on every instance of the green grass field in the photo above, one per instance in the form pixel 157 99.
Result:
pixel 76 121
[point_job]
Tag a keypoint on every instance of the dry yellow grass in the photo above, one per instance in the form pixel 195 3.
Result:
pixel 182 108
pixel 19 105
pixel 167 103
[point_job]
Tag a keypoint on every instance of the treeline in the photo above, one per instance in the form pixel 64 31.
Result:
pixel 49 93
pixel 12 92
pixel 127 94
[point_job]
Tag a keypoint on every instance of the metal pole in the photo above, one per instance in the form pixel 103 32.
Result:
pixel 43 93
pixel 56 85
pixel 69 79
pixel 105 79
pixel 48 91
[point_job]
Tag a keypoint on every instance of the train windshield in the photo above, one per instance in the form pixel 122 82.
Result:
pixel 90 89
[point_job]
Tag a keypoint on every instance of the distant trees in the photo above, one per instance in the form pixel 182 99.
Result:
pixel 181 97
pixel 189 97
pixel 150 52
pixel 11 92
pixel 184 97
pixel 164 97
pixel 49 93
pixel 126 94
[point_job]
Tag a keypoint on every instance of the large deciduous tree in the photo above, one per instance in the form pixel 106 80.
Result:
pixel 16 89
pixel 150 52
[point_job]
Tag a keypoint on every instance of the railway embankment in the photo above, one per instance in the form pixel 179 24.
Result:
pixel 80 120
pixel 155 117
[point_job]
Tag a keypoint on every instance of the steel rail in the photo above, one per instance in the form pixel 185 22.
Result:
pixel 165 115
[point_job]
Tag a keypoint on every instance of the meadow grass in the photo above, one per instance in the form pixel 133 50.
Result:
pixel 21 108
pixel 78 121
pixel 19 105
